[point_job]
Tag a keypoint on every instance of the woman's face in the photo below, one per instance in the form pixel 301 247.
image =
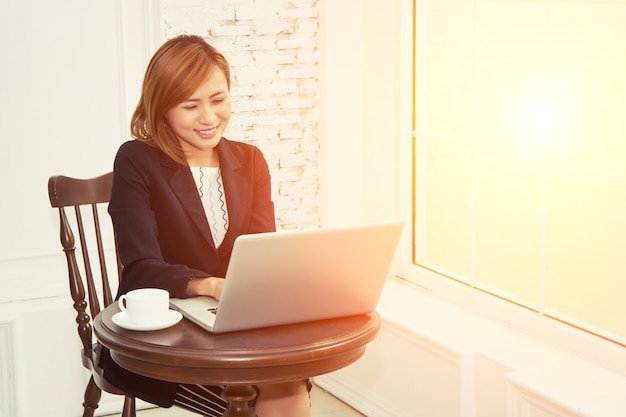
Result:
pixel 200 121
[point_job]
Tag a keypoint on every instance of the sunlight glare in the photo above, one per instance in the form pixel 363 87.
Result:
pixel 543 117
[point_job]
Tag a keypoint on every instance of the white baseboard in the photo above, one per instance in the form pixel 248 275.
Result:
pixel 367 402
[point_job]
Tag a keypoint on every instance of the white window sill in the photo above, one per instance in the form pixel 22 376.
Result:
pixel 546 357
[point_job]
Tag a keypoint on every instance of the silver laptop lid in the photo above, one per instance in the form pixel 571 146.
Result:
pixel 304 275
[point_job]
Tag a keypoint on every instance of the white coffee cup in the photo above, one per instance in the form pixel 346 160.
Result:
pixel 145 305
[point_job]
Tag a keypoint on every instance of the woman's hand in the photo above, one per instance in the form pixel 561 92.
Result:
pixel 211 286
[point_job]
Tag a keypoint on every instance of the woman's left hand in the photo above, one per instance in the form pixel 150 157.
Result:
pixel 211 286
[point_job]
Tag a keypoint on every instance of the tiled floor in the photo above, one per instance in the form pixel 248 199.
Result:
pixel 322 405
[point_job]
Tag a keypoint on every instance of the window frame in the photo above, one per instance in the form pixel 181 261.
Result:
pixel 532 320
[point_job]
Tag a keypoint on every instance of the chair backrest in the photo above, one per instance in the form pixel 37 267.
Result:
pixel 84 196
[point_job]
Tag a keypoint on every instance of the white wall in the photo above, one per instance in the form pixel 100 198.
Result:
pixel 66 80
pixel 361 112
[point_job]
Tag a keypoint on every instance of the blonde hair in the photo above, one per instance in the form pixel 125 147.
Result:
pixel 177 69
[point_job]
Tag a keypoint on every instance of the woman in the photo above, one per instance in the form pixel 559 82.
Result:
pixel 181 195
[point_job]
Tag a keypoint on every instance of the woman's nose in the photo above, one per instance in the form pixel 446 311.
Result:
pixel 208 115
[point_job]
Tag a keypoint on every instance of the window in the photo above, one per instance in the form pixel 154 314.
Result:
pixel 520 162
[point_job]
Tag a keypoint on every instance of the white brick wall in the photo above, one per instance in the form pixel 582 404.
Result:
pixel 272 47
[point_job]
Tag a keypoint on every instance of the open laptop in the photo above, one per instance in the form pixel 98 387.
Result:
pixel 299 275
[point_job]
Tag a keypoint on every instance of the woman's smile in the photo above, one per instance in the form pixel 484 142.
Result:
pixel 208 133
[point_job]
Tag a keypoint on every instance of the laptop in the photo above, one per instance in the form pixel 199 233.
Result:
pixel 297 276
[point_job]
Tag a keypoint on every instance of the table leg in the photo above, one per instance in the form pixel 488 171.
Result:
pixel 239 397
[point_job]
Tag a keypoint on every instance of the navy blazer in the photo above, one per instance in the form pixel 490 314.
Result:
pixel 163 235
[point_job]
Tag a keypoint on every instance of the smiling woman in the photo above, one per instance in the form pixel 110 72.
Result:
pixel 172 231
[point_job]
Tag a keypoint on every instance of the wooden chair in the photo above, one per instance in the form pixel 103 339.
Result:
pixel 88 193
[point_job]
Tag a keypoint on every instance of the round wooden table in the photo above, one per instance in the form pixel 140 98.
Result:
pixel 186 353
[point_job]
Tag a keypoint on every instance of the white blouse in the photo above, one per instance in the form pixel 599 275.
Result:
pixel 211 189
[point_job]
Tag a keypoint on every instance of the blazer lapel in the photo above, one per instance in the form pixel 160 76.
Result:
pixel 236 190
pixel 235 187
pixel 184 187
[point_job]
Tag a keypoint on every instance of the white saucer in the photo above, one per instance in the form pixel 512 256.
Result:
pixel 169 319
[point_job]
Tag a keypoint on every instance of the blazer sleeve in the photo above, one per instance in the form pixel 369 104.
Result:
pixel 135 224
